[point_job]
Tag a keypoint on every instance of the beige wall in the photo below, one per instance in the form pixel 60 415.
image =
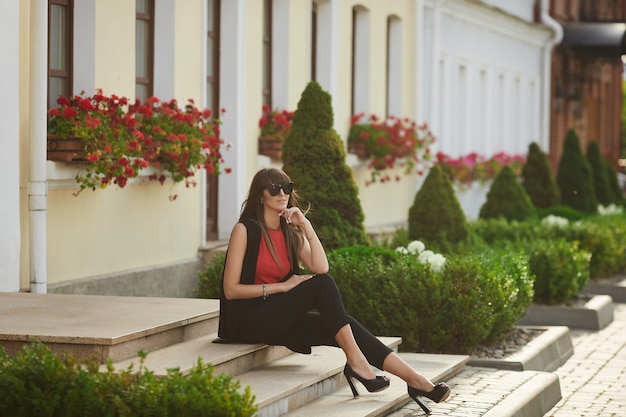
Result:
pixel 109 230
pixel 117 230
pixel 402 192
pixel 24 133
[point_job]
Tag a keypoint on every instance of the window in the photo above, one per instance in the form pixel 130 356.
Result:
pixel 59 50
pixel 144 49
pixel 394 66
pixel 267 52
pixel 360 60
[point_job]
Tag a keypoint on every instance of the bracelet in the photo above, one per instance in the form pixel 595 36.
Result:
pixel 310 238
pixel 264 292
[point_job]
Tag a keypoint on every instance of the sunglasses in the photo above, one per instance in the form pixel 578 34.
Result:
pixel 274 189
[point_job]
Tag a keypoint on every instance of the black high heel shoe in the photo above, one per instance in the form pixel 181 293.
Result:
pixel 372 385
pixel 438 394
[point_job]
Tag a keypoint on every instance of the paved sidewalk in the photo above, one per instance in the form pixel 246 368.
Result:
pixel 593 380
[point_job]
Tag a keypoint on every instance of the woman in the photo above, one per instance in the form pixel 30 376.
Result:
pixel 265 298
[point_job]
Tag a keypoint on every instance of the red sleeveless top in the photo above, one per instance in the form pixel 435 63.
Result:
pixel 267 270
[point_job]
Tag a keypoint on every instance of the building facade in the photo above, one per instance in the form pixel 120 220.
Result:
pixel 478 72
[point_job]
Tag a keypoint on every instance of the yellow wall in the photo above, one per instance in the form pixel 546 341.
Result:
pixel 115 230
pixel 403 192
pixel 111 230
pixel 24 140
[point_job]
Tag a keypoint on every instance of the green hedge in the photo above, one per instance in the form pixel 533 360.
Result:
pixel 560 269
pixel 474 300
pixel 38 383
pixel 604 237
pixel 210 278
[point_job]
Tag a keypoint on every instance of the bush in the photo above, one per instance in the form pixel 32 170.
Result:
pixel 611 174
pixel 601 186
pixel 436 215
pixel 562 211
pixel 615 250
pixel 537 179
pixel 507 198
pixel 314 158
pixel 574 177
pixel 210 278
pixel 560 269
pixel 602 236
pixel 36 382
pixel 475 299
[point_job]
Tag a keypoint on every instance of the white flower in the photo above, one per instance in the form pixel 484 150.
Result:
pixel 402 250
pixel 553 220
pixel 425 256
pixel 611 209
pixel 416 247
pixel 437 262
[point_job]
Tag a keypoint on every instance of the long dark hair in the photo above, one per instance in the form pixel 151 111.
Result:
pixel 252 208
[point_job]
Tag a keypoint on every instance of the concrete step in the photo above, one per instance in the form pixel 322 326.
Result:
pixel 289 383
pixel 228 358
pixel 340 402
pixel 103 326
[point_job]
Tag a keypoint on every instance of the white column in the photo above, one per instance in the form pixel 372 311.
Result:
pixel 9 157
pixel 232 187
pixel 37 185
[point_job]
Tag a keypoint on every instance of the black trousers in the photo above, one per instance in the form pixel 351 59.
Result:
pixel 310 314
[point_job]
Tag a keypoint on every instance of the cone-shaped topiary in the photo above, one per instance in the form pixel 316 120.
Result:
pixel 598 173
pixel 314 158
pixel 611 174
pixel 574 177
pixel 507 198
pixel 537 179
pixel 436 215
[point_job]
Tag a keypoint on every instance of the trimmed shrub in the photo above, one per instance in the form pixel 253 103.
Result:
pixel 36 382
pixel 574 177
pixel 602 236
pixel 436 215
pixel 475 299
pixel 562 211
pixel 560 269
pixel 598 238
pixel 616 249
pixel 611 174
pixel 601 186
pixel 314 158
pixel 210 278
pixel 537 179
pixel 507 198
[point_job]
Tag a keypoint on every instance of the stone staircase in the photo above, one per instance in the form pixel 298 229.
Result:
pixel 176 332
